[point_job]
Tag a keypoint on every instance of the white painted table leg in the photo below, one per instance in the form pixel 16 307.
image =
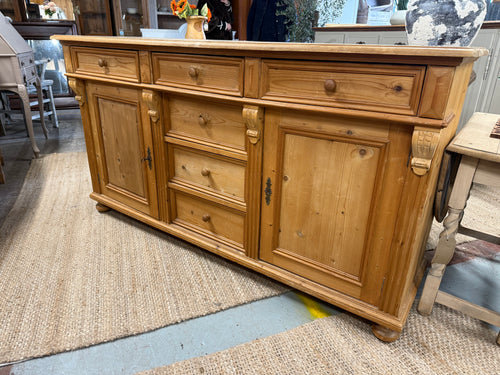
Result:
pixel 23 94
pixel 446 245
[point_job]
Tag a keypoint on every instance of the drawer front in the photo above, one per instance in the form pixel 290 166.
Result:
pixel 123 65
pixel 28 68
pixel 209 218
pixel 216 174
pixel 207 121
pixel 381 88
pixel 213 74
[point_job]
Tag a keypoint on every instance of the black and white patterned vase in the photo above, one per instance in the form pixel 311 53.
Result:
pixel 444 22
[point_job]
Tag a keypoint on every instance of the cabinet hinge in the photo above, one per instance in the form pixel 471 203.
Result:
pixel 98 179
pixel 268 191
pixel 149 159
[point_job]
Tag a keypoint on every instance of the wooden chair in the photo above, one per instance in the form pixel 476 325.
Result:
pixel 47 108
pixel 43 106
pixel 480 163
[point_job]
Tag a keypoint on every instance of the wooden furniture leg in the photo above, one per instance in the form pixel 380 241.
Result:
pixel 446 245
pixel 385 334
pixel 2 175
pixel 53 107
pixel 41 108
pixel 101 208
pixel 23 94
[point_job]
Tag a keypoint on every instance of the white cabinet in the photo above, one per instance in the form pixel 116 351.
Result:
pixel 483 94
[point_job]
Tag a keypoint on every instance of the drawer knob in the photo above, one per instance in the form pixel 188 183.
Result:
pixel 102 63
pixel 202 121
pixel 205 172
pixel 330 85
pixel 205 218
pixel 193 72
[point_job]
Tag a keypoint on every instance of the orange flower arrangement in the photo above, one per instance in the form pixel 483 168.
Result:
pixel 183 9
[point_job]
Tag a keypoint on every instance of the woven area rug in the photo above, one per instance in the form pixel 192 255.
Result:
pixel 447 342
pixel 71 277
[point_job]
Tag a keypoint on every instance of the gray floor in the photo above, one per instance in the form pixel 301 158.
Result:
pixel 477 279
pixel 17 152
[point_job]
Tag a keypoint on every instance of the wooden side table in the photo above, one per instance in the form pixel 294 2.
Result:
pixel 480 163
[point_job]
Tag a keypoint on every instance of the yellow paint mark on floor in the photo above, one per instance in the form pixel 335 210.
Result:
pixel 314 308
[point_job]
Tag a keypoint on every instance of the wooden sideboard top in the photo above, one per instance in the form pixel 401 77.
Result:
pixel 308 51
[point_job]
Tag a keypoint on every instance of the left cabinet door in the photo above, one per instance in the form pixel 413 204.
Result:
pixel 121 130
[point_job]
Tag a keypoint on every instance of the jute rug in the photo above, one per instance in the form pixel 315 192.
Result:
pixel 71 277
pixel 447 342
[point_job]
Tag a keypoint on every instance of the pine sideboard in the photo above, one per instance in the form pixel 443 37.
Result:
pixel 314 164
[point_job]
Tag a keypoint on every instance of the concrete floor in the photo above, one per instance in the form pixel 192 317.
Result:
pixel 477 279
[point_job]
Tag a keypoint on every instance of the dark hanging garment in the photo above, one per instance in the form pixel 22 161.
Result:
pixel 220 25
pixel 263 24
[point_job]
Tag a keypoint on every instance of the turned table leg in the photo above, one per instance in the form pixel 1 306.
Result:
pixel 384 333
pixel 446 245
pixel 23 94
pixel 102 208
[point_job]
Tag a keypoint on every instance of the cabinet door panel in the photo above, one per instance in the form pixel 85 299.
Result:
pixel 123 139
pixel 331 198
pixel 325 203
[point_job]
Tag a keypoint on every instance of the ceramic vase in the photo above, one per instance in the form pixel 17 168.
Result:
pixel 195 28
pixel 398 17
pixel 444 22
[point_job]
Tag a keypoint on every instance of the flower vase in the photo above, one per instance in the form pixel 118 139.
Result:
pixel 195 27
pixel 398 17
pixel 444 22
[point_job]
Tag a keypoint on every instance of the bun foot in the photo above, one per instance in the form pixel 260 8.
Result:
pixel 101 208
pixel 384 333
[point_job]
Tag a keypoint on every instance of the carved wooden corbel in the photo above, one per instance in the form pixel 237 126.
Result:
pixel 79 88
pixel 152 100
pixel 424 143
pixel 254 121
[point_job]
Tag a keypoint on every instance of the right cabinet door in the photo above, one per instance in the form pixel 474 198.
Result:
pixel 331 192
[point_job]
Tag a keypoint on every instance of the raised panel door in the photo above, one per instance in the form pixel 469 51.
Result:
pixel 124 146
pixel 330 198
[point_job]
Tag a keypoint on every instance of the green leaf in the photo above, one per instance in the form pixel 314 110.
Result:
pixel 204 10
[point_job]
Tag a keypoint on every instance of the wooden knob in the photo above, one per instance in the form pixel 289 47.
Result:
pixel 330 85
pixel 202 120
pixel 193 72
pixel 205 172
pixel 102 63
pixel 205 218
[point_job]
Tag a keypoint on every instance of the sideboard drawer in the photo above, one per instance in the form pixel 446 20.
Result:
pixel 209 172
pixel 207 121
pixel 381 88
pixel 209 218
pixel 122 65
pixel 213 74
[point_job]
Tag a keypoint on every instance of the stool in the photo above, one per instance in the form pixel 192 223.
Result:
pixel 480 163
